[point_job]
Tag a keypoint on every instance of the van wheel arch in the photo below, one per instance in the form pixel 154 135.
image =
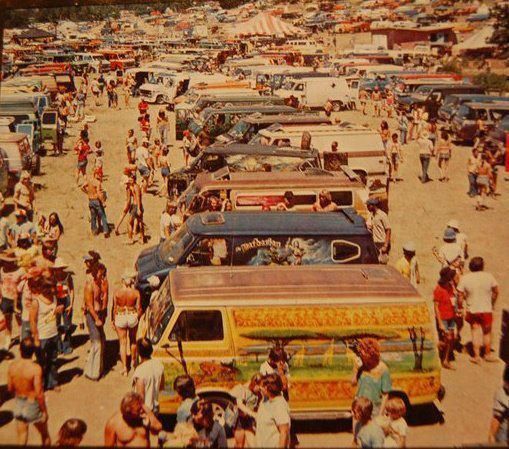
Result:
pixel 220 402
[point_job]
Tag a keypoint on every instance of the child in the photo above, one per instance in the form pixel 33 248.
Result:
pixel 184 386
pixel 367 433
pixel 99 161
pixel 393 424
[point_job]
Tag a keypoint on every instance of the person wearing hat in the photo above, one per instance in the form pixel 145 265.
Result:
pixel 170 221
pixel 142 156
pixel 450 253
pixel 24 195
pixel 10 277
pixel 407 265
pixel 125 313
pixel 461 238
pixel 443 298
pixel 22 226
pixel 379 225
pixel 65 297
pixel 426 152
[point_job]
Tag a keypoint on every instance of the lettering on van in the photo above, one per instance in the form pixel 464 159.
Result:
pixel 257 243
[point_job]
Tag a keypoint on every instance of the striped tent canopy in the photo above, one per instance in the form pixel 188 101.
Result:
pixel 265 24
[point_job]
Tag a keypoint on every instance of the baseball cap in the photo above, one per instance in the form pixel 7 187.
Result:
pixel 409 247
pixel 449 234
pixel 372 202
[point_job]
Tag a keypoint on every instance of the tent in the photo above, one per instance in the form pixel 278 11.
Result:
pixel 477 41
pixel 265 24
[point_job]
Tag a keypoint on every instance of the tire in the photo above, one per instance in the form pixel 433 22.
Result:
pixel 336 106
pixel 219 405
pixel 160 99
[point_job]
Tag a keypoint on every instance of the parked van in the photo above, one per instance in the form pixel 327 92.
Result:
pixel 431 97
pixel 216 121
pixel 246 128
pixel 19 155
pixel 246 193
pixel 315 92
pixel 217 324
pixel 260 238
pixel 360 148
pixel 464 123
pixel 453 102
pixel 242 157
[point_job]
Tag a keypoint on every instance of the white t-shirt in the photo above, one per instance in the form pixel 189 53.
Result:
pixel 266 369
pixel 461 240
pixel 450 251
pixel 169 221
pixel 151 372
pixel 271 413
pixel 142 155
pixel 399 427
pixel 425 146
pixel 477 287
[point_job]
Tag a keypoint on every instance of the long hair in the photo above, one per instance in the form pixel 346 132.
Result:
pixel 58 223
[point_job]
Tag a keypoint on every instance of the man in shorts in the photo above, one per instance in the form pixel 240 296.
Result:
pixel 24 380
pixel 479 291
pixel 142 156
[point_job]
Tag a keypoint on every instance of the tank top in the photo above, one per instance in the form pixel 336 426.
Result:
pixel 46 320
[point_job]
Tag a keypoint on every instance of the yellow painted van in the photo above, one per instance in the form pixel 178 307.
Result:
pixel 218 324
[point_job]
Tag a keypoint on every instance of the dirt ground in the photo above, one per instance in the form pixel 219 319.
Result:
pixel 418 212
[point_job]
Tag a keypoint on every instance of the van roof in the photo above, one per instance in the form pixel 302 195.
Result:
pixel 289 285
pixel 348 129
pixel 286 119
pixel 344 222
pixel 278 179
pixel 250 108
pixel 453 86
pixel 12 137
pixel 488 104
pixel 244 148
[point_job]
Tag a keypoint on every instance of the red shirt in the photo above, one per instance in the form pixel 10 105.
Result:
pixel 443 296
pixel 83 151
pixel 143 107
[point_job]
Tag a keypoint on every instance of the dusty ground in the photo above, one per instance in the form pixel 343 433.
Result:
pixel 418 212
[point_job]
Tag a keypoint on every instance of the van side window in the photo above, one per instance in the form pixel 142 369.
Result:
pixel 198 325
pixel 342 198
pixel 343 251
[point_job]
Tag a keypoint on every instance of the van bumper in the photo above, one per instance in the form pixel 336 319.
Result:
pixel 318 415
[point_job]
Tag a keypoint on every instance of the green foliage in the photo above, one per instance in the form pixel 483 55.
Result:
pixel 356 334
pixel 453 66
pixel 304 334
pixel 492 81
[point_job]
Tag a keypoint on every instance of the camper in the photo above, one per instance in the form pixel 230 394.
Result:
pixel 316 92
pixel 18 154
pixel 360 148
pixel 246 193
pixel 260 238
pixel 217 324
pixel 164 88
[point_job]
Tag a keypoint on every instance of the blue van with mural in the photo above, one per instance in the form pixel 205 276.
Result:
pixel 260 238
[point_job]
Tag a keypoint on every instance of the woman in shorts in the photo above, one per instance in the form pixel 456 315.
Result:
pixel 125 312
pixel 444 150
pixel 483 180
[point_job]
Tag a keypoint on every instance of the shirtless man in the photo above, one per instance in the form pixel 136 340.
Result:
pixel 125 314
pixel 131 425
pixel 24 195
pixel 96 199
pixel 135 204
pixel 24 380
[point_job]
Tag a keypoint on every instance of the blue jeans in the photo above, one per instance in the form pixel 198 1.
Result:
pixel 472 181
pixel 97 213
pixel 163 131
pixel 94 365
pixel 47 358
pixel 425 160
pixel 403 134
pixel 64 323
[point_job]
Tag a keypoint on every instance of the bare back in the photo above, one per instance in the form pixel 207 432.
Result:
pixel 127 297
pixel 24 376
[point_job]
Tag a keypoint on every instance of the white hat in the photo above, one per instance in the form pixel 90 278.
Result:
pixel 455 224
pixel 154 281
pixel 59 263
pixel 409 247
pixel 129 274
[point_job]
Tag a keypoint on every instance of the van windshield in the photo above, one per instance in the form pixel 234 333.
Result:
pixel 159 312
pixel 174 248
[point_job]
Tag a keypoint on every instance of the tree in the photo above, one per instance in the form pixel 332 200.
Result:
pixel 500 13
pixel 418 350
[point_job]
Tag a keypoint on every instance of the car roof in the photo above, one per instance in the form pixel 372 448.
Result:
pixel 452 86
pixel 286 119
pixel 344 222
pixel 244 286
pixel 244 148
pixel 488 105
